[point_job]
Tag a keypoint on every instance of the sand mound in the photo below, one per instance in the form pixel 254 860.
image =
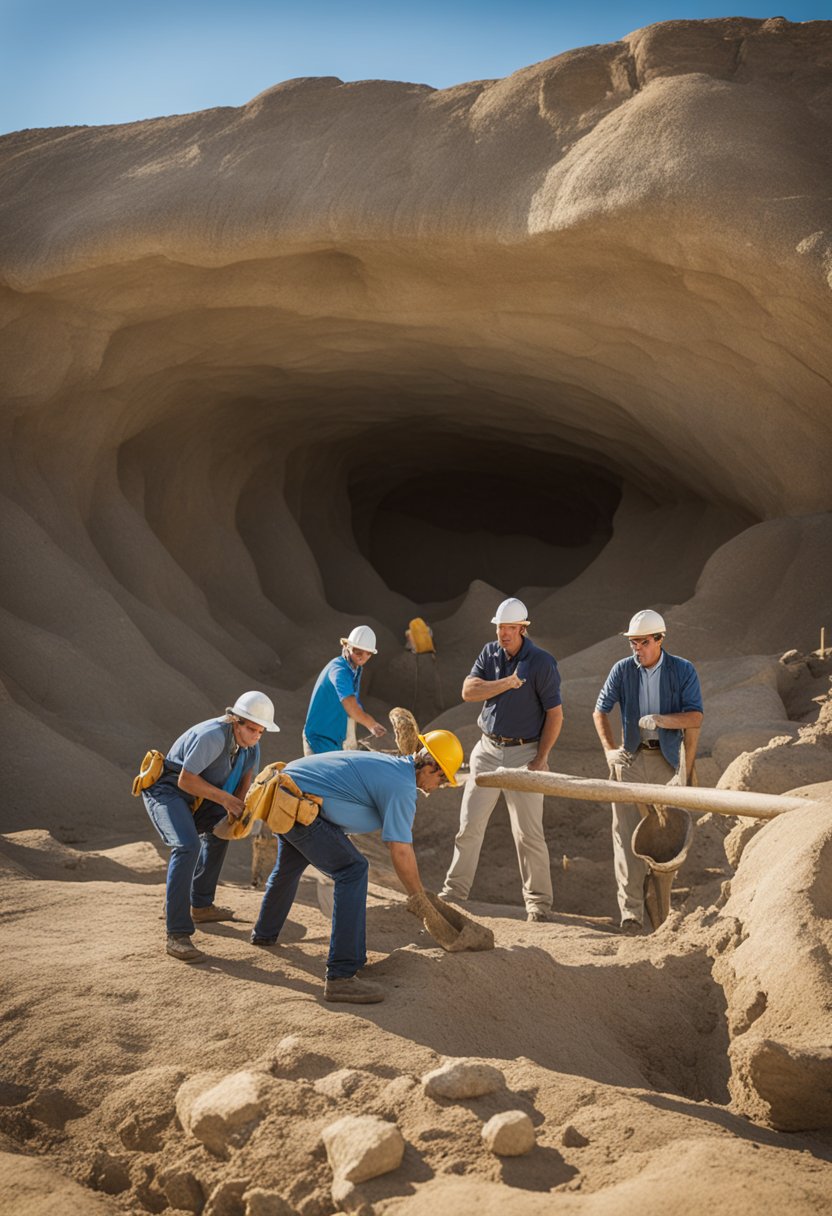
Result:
pixel 786 762
pixel 778 999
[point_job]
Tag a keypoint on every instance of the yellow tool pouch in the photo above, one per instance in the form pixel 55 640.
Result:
pixel 277 800
pixel 152 768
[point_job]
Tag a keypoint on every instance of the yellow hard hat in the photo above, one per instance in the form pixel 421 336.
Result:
pixel 446 750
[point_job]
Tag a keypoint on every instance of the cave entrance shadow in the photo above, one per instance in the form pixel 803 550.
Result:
pixel 500 506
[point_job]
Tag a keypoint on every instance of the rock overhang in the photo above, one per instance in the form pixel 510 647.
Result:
pixel 610 265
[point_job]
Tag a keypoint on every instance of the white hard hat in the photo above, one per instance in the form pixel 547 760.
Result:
pixel 644 623
pixel 255 707
pixel 362 637
pixel 511 612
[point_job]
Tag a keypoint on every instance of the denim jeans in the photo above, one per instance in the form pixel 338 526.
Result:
pixel 327 847
pixel 195 858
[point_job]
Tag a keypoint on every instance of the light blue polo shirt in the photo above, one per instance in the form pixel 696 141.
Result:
pixel 362 791
pixel 326 719
pixel 209 751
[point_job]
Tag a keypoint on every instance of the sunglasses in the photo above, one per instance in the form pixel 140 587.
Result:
pixel 645 641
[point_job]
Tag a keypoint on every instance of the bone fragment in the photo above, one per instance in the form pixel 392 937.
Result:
pixel 692 798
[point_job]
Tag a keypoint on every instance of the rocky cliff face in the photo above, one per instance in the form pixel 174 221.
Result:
pixel 354 351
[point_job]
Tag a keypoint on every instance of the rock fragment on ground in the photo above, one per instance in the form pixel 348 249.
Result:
pixel 459 1079
pixel 340 1084
pixel 509 1134
pixel 359 1147
pixel 570 1137
pixel 182 1190
pixel 226 1199
pixel 260 1202
pixel 227 1113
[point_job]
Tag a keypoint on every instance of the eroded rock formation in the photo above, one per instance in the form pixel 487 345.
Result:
pixel 572 321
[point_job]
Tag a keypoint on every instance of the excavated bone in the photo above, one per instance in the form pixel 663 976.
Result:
pixel 699 799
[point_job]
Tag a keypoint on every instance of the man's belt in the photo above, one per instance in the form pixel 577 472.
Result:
pixel 649 745
pixel 504 742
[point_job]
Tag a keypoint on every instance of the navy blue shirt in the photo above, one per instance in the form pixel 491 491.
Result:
pixel 520 712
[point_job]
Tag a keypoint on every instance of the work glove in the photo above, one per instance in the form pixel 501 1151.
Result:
pixel 648 722
pixel 448 927
pixel 419 904
pixel 442 932
pixel 618 756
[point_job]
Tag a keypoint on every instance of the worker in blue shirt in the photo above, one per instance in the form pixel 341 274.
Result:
pixel 361 792
pixel 207 773
pixel 661 707
pixel 335 705
pixel 519 686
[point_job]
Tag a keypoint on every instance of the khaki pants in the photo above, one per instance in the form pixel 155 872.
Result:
pixel 651 767
pixel 525 813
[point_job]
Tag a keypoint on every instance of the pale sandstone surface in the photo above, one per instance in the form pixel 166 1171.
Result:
pixel 596 295
pixel 35 1188
pixel 782 893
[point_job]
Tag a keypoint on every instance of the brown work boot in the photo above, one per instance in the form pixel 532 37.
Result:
pixel 212 912
pixel 630 927
pixel 354 990
pixel 539 916
pixel 180 946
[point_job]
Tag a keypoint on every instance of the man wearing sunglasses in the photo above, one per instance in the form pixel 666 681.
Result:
pixel 661 706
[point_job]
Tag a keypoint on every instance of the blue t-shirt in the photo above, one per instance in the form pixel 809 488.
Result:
pixel 208 750
pixel 520 712
pixel 326 719
pixel 362 791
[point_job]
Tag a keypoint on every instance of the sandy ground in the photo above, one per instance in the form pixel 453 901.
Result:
pixel 623 1041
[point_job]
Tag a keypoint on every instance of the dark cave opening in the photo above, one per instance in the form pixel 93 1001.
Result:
pixel 432 510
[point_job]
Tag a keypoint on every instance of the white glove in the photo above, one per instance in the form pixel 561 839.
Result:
pixel 618 756
pixel 648 722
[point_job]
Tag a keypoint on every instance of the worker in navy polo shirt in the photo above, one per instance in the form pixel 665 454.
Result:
pixel 661 704
pixel 520 721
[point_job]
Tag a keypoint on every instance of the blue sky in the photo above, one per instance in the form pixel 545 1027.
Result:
pixel 64 62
